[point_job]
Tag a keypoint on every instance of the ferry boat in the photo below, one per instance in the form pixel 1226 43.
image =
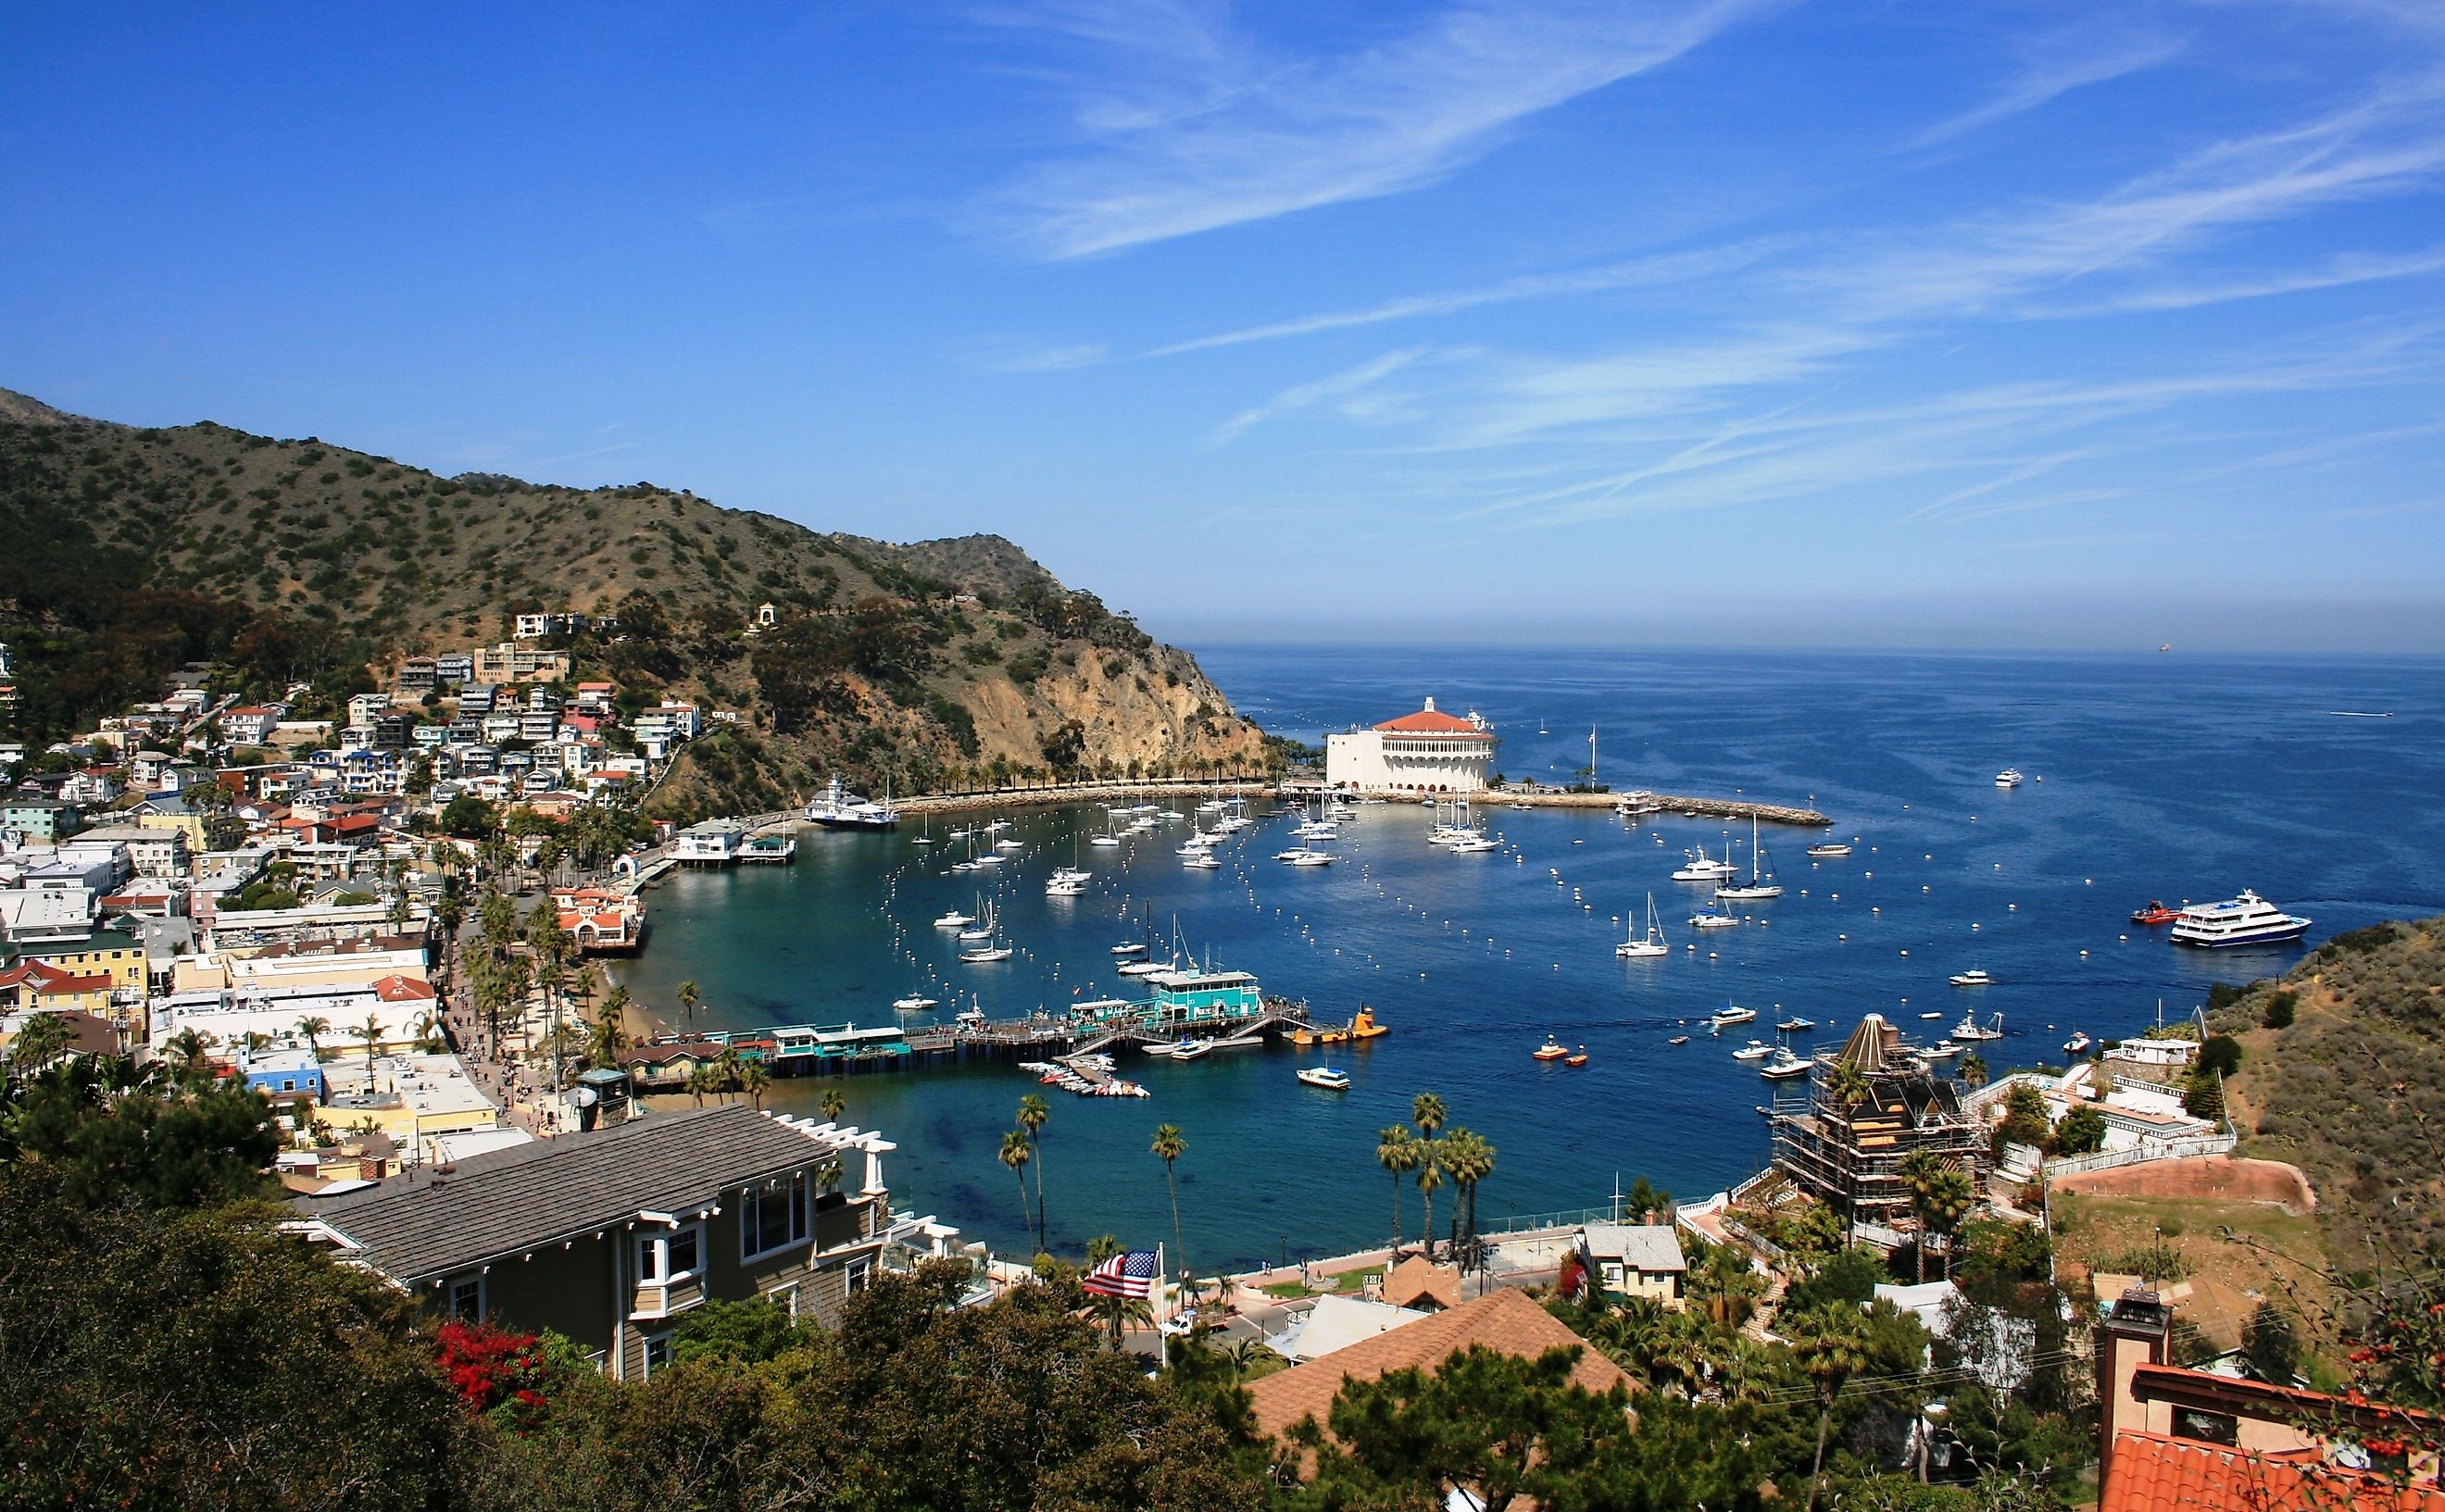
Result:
pixel 2248 920
pixel 840 809
pixel 2078 1044
pixel 1830 850
pixel 1636 803
pixel 1328 1077
pixel 1734 1015
pixel 2156 914
pixel 2010 778
pixel 1551 1049
pixel 1973 978
pixel 1635 948
pixel 1785 1064
pixel 1754 1050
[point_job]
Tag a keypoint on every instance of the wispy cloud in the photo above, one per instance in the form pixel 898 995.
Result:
pixel 2066 64
pixel 1214 131
pixel 1338 385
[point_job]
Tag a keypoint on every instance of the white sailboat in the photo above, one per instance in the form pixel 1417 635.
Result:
pixel 1635 947
pixel 1760 883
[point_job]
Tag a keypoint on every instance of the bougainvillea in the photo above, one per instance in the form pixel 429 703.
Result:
pixel 492 1368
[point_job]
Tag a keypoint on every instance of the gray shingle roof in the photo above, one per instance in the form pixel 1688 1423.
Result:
pixel 1643 1246
pixel 418 1226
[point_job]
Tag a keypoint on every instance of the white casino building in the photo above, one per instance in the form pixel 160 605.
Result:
pixel 1425 752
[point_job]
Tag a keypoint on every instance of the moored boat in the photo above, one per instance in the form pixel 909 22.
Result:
pixel 1551 1050
pixel 1754 1050
pixel 1330 1078
pixel 1973 978
pixel 2248 920
pixel 1731 1015
pixel 1784 1064
pixel 2154 913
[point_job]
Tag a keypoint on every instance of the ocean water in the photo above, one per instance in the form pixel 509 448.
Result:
pixel 2166 777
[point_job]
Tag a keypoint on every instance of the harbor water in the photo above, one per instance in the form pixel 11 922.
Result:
pixel 2160 776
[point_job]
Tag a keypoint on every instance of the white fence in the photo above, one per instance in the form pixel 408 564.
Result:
pixel 2141 1154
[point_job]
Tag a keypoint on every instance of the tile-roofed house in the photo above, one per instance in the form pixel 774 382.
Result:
pixel 1419 1282
pixel 2157 1472
pixel 607 1237
pixel 1508 1321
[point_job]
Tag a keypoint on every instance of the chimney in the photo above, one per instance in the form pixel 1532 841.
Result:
pixel 2133 1333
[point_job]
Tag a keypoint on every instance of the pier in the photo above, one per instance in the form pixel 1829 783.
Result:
pixel 1665 803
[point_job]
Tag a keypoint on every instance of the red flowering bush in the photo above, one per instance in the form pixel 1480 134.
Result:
pixel 492 1368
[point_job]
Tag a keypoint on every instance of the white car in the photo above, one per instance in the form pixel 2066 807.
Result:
pixel 1179 1326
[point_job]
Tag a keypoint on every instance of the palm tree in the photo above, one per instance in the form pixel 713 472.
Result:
pixel 314 1026
pixel 728 1066
pixel 43 1038
pixel 1169 1144
pixel 1848 1084
pixel 703 1080
pixel 1015 1152
pixel 1430 1175
pixel 1973 1071
pixel 1427 1111
pixel 1950 1199
pixel 690 999
pixel 1919 1170
pixel 1469 1159
pixel 1831 1351
pixel 835 1102
pixel 1396 1150
pixel 428 1032
pixel 371 1032
pixel 1033 1116
pixel 754 1080
pixel 189 1047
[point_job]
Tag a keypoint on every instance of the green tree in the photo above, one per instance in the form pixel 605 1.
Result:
pixel 1033 1115
pixel 2080 1132
pixel 755 1081
pixel 2268 1344
pixel 1016 1150
pixel 834 1103
pixel 1469 1159
pixel 690 999
pixel 1831 1347
pixel 1396 1150
pixel 371 1032
pixel 1168 1146
pixel 1847 1084
pixel 1431 1177
pixel 41 1038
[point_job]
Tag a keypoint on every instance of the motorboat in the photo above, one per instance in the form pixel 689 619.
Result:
pixel 2078 1045
pixel 1652 944
pixel 1701 870
pixel 1760 883
pixel 1577 1057
pixel 1362 1027
pixel 1475 845
pixel 1754 1050
pixel 2248 920
pixel 1064 886
pixel 1970 1029
pixel 2010 778
pixel 1148 968
pixel 913 1004
pixel 1010 845
pixel 1973 978
pixel 1709 919
pixel 2154 913
pixel 1551 1050
pixel 955 920
pixel 1678 1039
pixel 1202 861
pixel 1830 851
pixel 1184 1048
pixel 1734 1015
pixel 1784 1064
pixel 1308 856
pixel 1941 1050
pixel 840 809
pixel 1328 1077
pixel 1129 947
pixel 1795 1025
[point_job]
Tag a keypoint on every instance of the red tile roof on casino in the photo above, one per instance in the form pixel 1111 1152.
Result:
pixel 1430 721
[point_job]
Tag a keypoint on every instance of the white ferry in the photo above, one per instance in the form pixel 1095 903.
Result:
pixel 840 809
pixel 2248 920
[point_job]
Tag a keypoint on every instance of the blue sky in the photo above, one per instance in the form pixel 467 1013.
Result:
pixel 1998 325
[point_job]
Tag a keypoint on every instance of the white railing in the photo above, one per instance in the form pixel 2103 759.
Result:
pixel 2139 1155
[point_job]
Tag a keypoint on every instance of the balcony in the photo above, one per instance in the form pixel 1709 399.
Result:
pixel 659 1299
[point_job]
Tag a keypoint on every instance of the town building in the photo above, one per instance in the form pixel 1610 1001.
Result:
pixel 510 663
pixel 1623 1260
pixel 30 819
pixel 609 1238
pixel 1845 1144
pixel 713 842
pixel 454 668
pixel 1428 752
pixel 561 621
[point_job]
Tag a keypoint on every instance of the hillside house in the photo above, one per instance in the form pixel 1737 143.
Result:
pixel 1623 1260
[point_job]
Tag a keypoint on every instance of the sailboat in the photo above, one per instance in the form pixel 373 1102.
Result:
pixel 925 829
pixel 990 949
pixel 1108 837
pixel 1761 883
pixel 981 927
pixel 1654 944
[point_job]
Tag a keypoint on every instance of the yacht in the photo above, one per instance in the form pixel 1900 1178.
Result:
pixel 2248 920
pixel 955 920
pixel 1754 1050
pixel 840 809
pixel 1970 1029
pixel 2078 1044
pixel 1785 1064
pixel 915 1005
pixel 1635 948
pixel 1065 886
pixel 1941 1050
pixel 1760 883
pixel 1709 919
pixel 1829 850
pixel 1722 1016
pixel 2009 777
pixel 1202 861
pixel 1702 869
pixel 1010 845
pixel 1973 978
pixel 1796 1024
pixel 1328 1077
pixel 1478 842
pixel 982 929
pixel 1635 803
pixel 1305 856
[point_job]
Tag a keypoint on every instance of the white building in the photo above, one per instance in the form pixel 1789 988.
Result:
pixel 1425 752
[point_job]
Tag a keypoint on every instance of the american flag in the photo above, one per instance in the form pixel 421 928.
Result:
pixel 1129 1275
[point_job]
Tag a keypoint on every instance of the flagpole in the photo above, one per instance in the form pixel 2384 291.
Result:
pixel 1160 1275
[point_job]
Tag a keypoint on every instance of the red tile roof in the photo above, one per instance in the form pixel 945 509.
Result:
pixel 2154 1473
pixel 46 978
pixel 1507 1320
pixel 397 988
pixel 1430 721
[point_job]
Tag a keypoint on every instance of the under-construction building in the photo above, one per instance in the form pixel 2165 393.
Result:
pixel 1845 1143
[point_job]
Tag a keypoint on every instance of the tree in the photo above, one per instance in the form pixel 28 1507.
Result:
pixel 1468 1158
pixel 469 817
pixel 2080 1132
pixel 1015 1152
pixel 1831 1349
pixel 1168 1146
pixel 2220 1055
pixel 1396 1150
pixel 1973 1071
pixel 1427 1111
pixel 834 1103
pixel 704 1081
pixel 1033 1116
pixel 1430 1176
pixel 1919 1170
pixel 690 999
pixel 1949 1200
pixel 1847 1084
pixel 755 1081
pixel 42 1038
pixel 2269 1345
pixel 371 1032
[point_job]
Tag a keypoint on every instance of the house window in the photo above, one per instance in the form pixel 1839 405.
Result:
pixel 860 1272
pixel 658 1351
pixel 671 1257
pixel 2209 1428
pixel 772 1217
pixel 466 1298
pixel 784 1298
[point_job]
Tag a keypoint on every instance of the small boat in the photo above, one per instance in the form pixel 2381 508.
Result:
pixel 1709 919
pixel 1795 1025
pixel 1829 850
pixel 1202 861
pixel 985 954
pixel 1678 1039
pixel 1941 1050
pixel 1183 1049
pixel 913 1004
pixel 1785 1064
pixel 2156 914
pixel 1148 968
pixel 1970 1029
pixel 1578 1057
pixel 1551 1050
pixel 2078 1045
pixel 1635 948
pixel 1973 978
pixel 1731 1016
pixel 1328 1077
pixel 1312 858
pixel 1128 948
pixel 982 929
pixel 1475 845
pixel 1930 1015
pixel 1064 887
pixel 2009 777
pixel 955 920
pixel 1754 1050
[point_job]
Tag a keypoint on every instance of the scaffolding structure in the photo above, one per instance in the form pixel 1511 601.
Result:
pixel 1844 1142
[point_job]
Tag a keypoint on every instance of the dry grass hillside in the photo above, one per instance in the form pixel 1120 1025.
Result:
pixel 304 560
pixel 2352 1088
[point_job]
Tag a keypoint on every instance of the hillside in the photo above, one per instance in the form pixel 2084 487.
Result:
pixel 2352 1088
pixel 133 550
